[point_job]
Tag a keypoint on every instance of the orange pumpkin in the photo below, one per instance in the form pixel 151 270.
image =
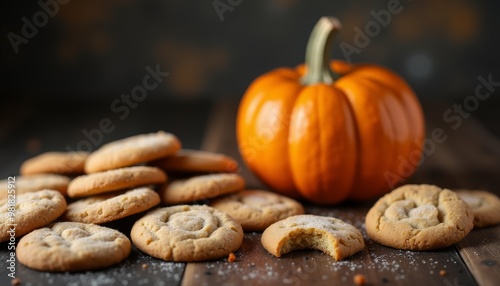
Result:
pixel 330 131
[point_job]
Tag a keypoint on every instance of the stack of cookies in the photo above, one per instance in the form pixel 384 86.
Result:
pixel 127 177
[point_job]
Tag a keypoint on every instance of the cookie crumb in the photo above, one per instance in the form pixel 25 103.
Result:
pixel 442 272
pixel 359 279
pixel 15 281
pixel 232 257
pixel 144 266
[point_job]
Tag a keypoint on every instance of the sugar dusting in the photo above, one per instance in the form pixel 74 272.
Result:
pixel 130 272
pixel 255 266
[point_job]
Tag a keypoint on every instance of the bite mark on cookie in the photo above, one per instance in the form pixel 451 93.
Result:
pixel 329 235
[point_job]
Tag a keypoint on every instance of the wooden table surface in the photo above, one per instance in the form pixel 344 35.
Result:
pixel 469 158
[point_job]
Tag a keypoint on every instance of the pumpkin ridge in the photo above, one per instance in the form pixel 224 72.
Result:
pixel 320 160
pixel 356 132
pixel 361 92
pixel 403 149
pixel 349 112
pixel 409 101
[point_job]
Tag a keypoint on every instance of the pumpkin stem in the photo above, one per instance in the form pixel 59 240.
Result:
pixel 318 52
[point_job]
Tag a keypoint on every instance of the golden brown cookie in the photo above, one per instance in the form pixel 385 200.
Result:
pixel 200 187
pixel 132 150
pixel 112 180
pixel 29 211
pixel 194 161
pixel 255 210
pixel 187 233
pixel 330 235
pixel 33 183
pixel 419 217
pixel 109 207
pixel 72 246
pixel 56 163
pixel 484 205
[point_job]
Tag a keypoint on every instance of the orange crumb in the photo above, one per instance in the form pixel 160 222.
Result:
pixel 144 266
pixel 442 272
pixel 15 281
pixel 359 279
pixel 232 257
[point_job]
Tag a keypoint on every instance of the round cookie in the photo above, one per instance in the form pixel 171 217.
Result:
pixel 113 180
pixel 33 183
pixel 200 187
pixel 55 162
pixel 32 211
pixel 194 161
pixel 132 150
pixel 484 205
pixel 330 235
pixel 187 233
pixel 72 246
pixel 110 207
pixel 419 217
pixel 255 210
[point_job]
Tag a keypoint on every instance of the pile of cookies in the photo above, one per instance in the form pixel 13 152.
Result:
pixel 195 207
pixel 127 177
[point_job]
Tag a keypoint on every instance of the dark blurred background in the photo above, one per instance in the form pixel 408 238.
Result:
pixel 97 50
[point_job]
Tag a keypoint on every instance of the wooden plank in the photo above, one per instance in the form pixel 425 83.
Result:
pixel 476 152
pixel 130 272
pixel 470 158
pixel 380 265
pixel 481 252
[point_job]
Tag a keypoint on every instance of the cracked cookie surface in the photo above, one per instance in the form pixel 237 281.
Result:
pixel 187 233
pixel 330 235
pixel 32 210
pixel 109 207
pixel 255 210
pixel 484 205
pixel 419 217
pixel 72 246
